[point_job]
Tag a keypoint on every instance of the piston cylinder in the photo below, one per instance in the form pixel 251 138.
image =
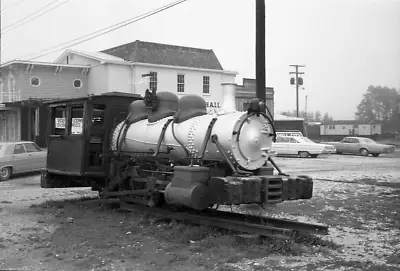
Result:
pixel 194 196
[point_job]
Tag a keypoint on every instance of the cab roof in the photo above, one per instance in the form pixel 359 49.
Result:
pixel 114 94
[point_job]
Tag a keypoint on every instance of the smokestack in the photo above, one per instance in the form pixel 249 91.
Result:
pixel 228 98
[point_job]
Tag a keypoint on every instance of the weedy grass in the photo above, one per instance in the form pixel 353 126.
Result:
pixel 99 225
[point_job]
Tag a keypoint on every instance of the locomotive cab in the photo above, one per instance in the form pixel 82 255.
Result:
pixel 78 138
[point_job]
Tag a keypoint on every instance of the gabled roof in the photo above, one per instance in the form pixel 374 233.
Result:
pixel 165 54
pixel 99 56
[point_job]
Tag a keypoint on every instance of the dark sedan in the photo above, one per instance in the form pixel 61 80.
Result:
pixel 361 145
pixel 20 157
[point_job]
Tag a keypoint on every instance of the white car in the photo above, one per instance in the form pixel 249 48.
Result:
pixel 301 146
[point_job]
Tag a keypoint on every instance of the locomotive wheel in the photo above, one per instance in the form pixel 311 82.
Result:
pixel 157 199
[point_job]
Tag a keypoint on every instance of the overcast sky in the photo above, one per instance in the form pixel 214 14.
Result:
pixel 346 45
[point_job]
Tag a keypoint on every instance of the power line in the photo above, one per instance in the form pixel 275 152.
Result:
pixel 109 29
pixel 10 6
pixel 18 25
pixel 29 15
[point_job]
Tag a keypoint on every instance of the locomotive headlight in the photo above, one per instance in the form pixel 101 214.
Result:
pixel 252 144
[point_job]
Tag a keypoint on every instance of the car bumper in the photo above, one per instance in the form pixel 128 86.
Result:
pixel 388 150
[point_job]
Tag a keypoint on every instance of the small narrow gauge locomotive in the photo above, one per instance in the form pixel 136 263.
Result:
pixel 160 149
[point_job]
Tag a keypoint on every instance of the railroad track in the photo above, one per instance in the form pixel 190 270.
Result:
pixel 263 226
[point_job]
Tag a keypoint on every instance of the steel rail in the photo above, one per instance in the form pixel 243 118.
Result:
pixel 231 221
pixel 275 222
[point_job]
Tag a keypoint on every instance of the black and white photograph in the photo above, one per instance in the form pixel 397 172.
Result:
pixel 194 135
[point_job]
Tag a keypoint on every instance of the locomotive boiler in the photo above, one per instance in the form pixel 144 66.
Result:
pixel 170 150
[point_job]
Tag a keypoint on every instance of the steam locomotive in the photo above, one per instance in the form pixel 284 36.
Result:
pixel 170 151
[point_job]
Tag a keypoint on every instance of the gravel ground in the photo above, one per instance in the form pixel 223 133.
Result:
pixel 60 229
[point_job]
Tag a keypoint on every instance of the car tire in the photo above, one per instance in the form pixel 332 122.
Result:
pixel 304 154
pixel 375 154
pixel 364 152
pixel 5 174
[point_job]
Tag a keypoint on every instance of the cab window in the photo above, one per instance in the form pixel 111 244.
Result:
pixel 18 149
pixel 98 115
pixel 76 127
pixel 293 140
pixel 59 120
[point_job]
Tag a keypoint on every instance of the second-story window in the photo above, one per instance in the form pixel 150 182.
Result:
pixel 206 84
pixel 181 83
pixel 153 80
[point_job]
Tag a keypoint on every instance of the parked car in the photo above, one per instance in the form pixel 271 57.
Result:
pixel 361 145
pixel 301 146
pixel 20 157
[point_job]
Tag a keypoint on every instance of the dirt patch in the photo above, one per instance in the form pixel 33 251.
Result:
pixel 94 234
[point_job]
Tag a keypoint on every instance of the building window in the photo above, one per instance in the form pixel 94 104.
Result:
pixel 181 83
pixel 35 81
pixel 11 87
pixel 153 81
pixel 77 83
pixel 206 84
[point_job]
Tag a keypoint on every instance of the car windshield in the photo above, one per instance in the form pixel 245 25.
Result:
pixel 368 140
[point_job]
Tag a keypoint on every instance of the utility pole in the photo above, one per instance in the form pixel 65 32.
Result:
pixel 1 44
pixel 305 108
pixel 260 50
pixel 298 81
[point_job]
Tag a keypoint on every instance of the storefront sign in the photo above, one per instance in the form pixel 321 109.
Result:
pixel 213 104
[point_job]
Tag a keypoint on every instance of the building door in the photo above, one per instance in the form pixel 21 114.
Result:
pixel 32 123
pixel 3 128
